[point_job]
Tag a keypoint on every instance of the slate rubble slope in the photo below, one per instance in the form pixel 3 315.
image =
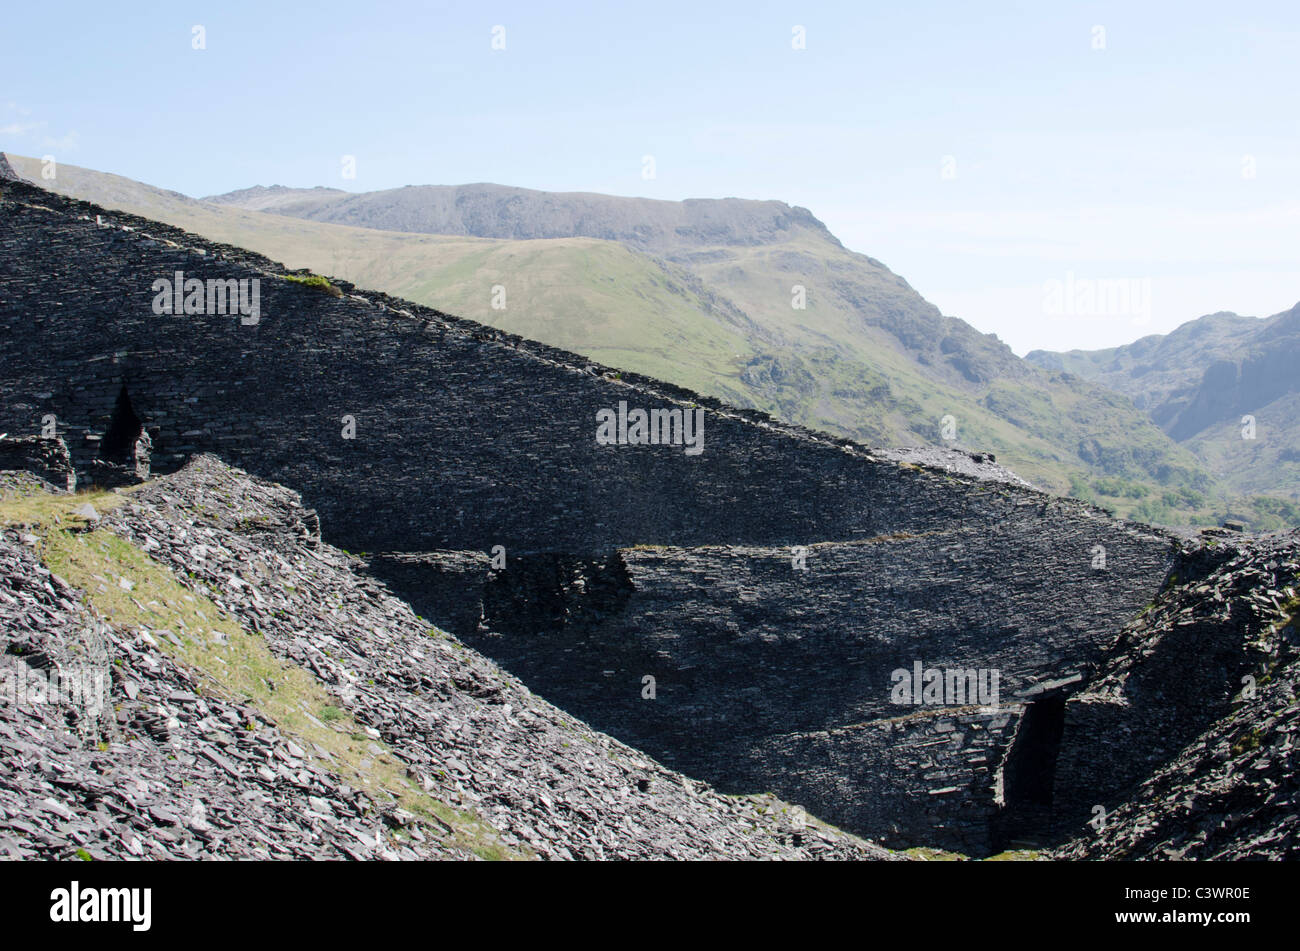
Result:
pixel 1200 700
pixel 186 779
pixel 474 736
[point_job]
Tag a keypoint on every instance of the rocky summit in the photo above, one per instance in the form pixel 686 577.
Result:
pixel 489 632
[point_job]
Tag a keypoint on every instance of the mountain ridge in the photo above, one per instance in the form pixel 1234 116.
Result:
pixel 1206 379
pixel 474 210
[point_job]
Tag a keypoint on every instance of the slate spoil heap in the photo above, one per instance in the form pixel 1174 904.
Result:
pixel 1200 702
pixel 173 768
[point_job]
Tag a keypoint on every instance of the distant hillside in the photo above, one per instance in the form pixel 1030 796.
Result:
pixel 262 198
pixel 500 211
pixel 1199 382
pixel 706 294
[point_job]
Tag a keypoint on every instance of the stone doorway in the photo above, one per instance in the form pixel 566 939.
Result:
pixel 1028 776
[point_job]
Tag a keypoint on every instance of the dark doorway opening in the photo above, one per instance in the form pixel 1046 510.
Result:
pixel 124 429
pixel 1029 774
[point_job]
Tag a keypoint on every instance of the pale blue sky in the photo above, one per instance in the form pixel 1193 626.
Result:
pixel 1122 163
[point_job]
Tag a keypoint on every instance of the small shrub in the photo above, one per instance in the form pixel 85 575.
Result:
pixel 316 282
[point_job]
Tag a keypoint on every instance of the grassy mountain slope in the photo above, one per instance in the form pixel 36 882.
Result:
pixel 701 293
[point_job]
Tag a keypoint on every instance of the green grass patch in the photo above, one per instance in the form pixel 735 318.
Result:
pixel 1016 855
pixel 1247 742
pixel 316 282
pixel 935 855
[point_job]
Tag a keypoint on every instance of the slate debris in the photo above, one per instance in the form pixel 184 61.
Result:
pixel 500 428
pixel 172 774
pixel 774 678
pixel 976 465
pixel 46 457
pixel 182 777
pixel 1186 736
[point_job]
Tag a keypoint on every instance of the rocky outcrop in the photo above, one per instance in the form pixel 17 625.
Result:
pixel 7 172
pixel 1229 795
pixel 44 457
pixel 773 667
pixel 1182 744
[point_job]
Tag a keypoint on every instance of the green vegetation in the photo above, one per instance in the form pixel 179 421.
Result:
pixel 939 855
pixel 935 855
pixel 316 282
pixel 1017 855
pixel 1247 742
